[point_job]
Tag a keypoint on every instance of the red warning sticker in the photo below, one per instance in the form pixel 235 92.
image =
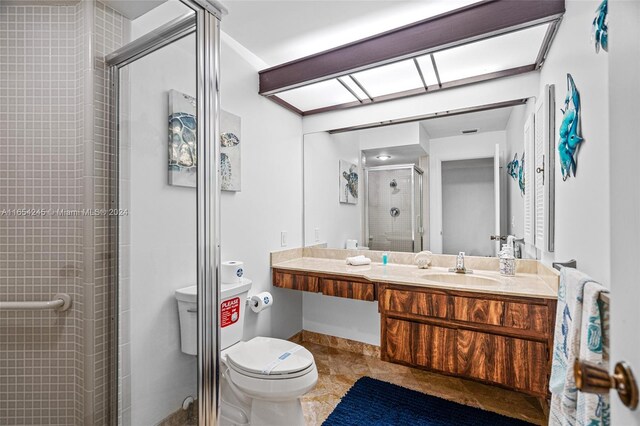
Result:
pixel 229 311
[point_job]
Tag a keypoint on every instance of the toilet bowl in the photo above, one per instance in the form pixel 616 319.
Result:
pixel 262 379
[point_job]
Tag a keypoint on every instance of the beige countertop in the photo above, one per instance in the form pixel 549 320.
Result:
pixel 481 281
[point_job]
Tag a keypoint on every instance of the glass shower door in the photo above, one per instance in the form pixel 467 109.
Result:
pixel 157 237
pixel 390 199
pixel 165 124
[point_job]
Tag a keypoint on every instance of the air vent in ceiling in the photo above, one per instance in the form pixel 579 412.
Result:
pixel 469 131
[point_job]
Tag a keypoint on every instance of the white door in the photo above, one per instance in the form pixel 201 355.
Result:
pixel 624 127
pixel 496 196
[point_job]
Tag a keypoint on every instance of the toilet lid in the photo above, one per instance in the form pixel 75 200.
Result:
pixel 268 356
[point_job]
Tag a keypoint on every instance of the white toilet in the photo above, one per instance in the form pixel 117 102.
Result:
pixel 262 379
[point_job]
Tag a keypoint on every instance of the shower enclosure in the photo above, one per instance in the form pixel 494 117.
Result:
pixel 84 192
pixel 393 208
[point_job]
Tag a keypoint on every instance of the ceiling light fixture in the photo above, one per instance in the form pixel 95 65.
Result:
pixel 383 157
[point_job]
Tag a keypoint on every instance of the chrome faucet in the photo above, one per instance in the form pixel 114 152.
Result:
pixel 460 269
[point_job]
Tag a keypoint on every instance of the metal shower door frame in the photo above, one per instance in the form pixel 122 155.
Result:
pixel 205 23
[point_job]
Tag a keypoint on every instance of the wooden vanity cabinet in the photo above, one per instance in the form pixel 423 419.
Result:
pixel 501 340
pixel 417 344
pixel 302 282
pixel 328 285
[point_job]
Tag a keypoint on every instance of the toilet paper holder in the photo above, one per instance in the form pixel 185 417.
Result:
pixel 260 301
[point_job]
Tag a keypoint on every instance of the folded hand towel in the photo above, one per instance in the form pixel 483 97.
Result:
pixel 358 260
pixel 577 334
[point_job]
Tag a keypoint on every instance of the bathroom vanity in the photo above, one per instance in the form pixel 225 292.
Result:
pixel 482 326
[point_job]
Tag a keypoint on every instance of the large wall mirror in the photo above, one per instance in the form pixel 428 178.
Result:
pixel 447 184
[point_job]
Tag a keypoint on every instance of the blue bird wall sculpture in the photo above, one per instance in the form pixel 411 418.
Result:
pixel 512 167
pixel 570 130
pixel 600 28
pixel 521 181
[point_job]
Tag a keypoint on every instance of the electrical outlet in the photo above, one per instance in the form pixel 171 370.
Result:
pixel 317 230
pixel 513 222
pixel 283 238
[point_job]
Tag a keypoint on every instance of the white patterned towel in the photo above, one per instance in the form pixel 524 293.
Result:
pixel 578 334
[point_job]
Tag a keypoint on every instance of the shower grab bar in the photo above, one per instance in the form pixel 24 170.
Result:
pixel 61 302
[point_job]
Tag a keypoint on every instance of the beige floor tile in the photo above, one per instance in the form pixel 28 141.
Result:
pixel 338 370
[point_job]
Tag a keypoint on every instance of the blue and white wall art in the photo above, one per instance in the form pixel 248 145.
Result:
pixel 230 179
pixel 182 139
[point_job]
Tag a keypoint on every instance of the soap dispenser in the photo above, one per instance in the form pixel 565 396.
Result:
pixel 507 261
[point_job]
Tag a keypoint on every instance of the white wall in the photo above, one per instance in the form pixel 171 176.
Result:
pixel 158 16
pixel 463 147
pixel 426 191
pixel 163 218
pixel 347 318
pixel 388 136
pixel 336 222
pixel 271 196
pixel 582 203
pixel 468 207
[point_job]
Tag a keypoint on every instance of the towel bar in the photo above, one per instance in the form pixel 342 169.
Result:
pixel 61 302
pixel 569 264
pixel 604 297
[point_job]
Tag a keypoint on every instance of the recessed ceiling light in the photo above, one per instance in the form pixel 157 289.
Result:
pixel 383 157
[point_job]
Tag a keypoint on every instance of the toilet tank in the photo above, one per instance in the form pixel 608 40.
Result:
pixel 232 309
pixel 233 303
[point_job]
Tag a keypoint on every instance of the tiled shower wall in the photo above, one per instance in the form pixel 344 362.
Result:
pixel 40 255
pixel 55 157
pixel 381 197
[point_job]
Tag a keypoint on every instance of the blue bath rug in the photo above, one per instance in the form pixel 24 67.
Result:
pixel 373 402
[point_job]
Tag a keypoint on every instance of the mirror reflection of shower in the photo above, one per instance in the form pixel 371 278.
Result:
pixel 393 210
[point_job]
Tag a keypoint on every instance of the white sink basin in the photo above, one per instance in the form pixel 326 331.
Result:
pixel 462 279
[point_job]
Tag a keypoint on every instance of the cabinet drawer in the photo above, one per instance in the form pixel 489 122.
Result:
pixel 295 281
pixel 518 363
pixel 419 344
pixel 525 316
pixel 481 311
pixel 413 302
pixel 348 289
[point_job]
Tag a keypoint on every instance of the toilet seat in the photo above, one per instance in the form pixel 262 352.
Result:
pixel 269 359
pixel 288 380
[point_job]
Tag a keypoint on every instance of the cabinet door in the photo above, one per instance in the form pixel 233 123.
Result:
pixel 482 311
pixel 295 281
pixel 348 289
pixel 517 363
pixel 420 345
pixel 413 302
pixel 527 316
